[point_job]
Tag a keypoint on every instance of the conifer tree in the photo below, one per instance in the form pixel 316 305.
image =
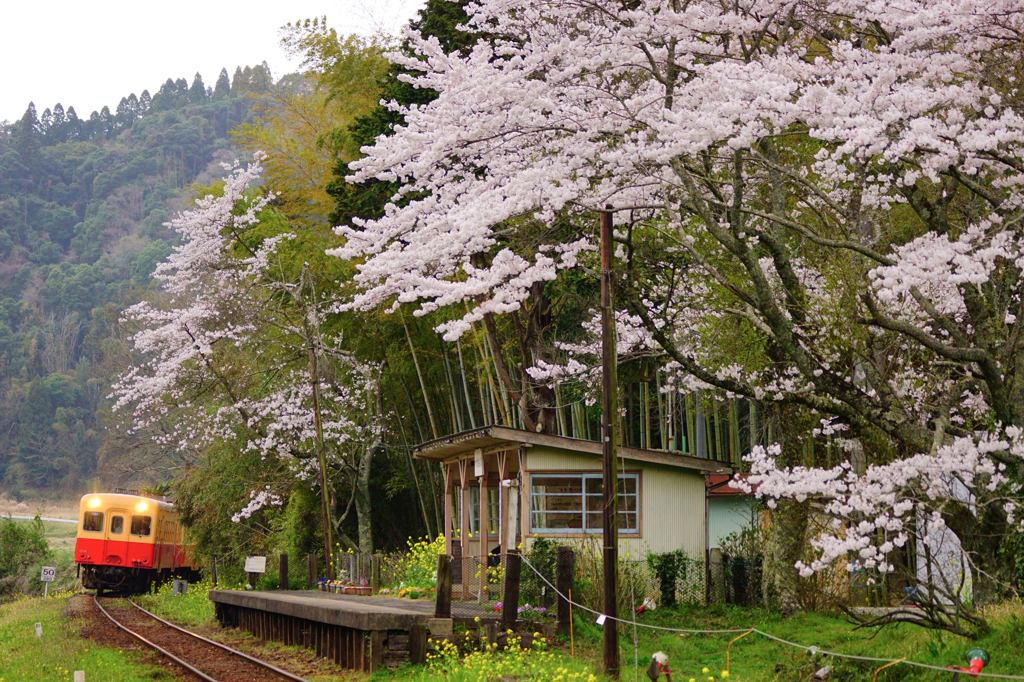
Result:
pixel 222 89
pixel 197 93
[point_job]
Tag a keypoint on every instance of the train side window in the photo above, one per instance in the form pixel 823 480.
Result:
pixel 142 525
pixel 93 522
pixel 116 525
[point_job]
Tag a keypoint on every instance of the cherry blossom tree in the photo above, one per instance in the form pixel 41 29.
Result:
pixel 818 206
pixel 235 350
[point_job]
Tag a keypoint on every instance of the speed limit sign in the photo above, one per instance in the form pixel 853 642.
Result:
pixel 48 574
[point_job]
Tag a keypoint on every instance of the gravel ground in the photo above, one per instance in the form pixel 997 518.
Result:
pixel 218 664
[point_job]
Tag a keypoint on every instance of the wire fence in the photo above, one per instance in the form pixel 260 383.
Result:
pixel 477 586
pixel 812 649
pixel 693 581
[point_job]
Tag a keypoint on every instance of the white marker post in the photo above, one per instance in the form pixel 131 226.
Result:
pixel 49 572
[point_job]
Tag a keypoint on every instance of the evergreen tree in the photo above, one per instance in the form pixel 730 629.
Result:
pixel 166 97
pixel 26 135
pixel 73 125
pixel 107 120
pixel 123 116
pixel 238 81
pixel 58 128
pixel 223 87
pixel 145 103
pixel 197 93
pixel 181 90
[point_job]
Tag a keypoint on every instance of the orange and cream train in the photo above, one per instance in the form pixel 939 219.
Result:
pixel 126 542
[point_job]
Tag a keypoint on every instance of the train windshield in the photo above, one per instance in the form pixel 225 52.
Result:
pixel 116 525
pixel 142 525
pixel 93 522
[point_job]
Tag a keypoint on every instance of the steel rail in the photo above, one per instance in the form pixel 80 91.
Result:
pixel 195 671
pixel 252 659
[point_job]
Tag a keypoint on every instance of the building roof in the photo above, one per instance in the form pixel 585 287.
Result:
pixel 721 485
pixel 496 438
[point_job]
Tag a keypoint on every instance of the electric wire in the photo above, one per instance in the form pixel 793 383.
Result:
pixel 811 649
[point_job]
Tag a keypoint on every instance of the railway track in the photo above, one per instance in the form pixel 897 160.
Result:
pixel 208 660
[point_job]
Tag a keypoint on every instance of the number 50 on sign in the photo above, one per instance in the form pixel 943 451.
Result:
pixel 48 574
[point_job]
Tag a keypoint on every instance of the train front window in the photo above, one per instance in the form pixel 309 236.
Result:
pixel 93 522
pixel 142 525
pixel 116 525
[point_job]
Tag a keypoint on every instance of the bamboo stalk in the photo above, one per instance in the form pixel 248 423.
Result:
pixel 465 385
pixel 563 427
pixel 423 384
pixel 452 393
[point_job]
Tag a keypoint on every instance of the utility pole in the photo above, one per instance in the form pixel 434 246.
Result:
pixel 609 442
pixel 313 335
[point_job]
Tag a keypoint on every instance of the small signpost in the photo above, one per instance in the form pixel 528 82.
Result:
pixel 254 565
pixel 49 573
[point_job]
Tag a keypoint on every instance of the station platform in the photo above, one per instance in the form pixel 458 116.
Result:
pixel 356 632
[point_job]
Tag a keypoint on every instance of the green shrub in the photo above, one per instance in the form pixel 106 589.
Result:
pixel 669 568
pixel 23 547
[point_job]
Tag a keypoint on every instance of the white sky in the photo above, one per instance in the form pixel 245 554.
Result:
pixel 91 54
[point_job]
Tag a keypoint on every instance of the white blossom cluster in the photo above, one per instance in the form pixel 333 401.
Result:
pixel 876 512
pixel 257 501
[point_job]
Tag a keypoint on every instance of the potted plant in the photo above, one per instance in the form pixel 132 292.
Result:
pixel 363 588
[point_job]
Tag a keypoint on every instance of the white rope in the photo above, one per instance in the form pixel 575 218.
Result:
pixel 812 649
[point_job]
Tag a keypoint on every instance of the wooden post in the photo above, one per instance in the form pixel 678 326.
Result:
pixel 311 577
pixel 375 573
pixel 443 603
pixel 446 470
pixel 282 572
pixel 564 568
pixel 484 514
pixel 609 417
pixel 418 644
pixel 213 569
pixel 510 602
pixel 466 551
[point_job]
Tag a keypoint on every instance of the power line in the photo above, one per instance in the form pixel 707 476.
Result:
pixel 811 649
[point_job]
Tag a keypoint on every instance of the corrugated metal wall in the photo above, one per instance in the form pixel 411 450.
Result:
pixel 728 515
pixel 671 501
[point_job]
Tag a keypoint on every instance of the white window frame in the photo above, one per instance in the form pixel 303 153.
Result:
pixel 584 510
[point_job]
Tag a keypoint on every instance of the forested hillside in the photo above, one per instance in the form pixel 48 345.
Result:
pixel 83 202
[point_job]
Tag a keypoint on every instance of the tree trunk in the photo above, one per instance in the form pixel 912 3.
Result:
pixel 785 547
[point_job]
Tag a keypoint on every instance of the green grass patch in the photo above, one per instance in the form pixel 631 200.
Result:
pixel 192 608
pixel 754 658
pixel 61 650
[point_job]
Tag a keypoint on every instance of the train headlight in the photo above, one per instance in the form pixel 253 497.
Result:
pixel 94 502
pixel 141 507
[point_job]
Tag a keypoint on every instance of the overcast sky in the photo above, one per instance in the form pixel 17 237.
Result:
pixel 91 54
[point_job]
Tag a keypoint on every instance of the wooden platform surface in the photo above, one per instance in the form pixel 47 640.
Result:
pixel 363 613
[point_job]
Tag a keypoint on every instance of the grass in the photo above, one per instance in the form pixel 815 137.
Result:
pixel 61 650
pixel 754 658
pixel 189 609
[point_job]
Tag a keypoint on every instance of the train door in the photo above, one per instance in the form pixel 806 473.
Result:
pixel 115 537
pixel 161 551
